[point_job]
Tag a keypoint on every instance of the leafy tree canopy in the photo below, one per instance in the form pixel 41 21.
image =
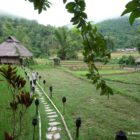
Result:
pixel 133 7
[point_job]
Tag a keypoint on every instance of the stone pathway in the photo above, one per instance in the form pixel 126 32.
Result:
pixel 53 132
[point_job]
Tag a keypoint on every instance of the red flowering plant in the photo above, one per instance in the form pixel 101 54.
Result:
pixel 20 100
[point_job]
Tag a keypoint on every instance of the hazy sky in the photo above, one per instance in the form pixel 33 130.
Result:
pixel 97 10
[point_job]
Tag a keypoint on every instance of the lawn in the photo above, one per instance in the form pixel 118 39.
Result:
pixel 101 118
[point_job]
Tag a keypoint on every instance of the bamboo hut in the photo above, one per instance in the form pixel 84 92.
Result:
pixel 13 52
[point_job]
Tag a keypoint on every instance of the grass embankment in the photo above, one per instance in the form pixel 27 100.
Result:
pixel 101 118
pixel 6 113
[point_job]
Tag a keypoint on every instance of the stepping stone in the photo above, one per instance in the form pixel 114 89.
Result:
pixel 57 136
pixel 53 116
pixel 51 113
pixel 37 90
pixel 54 128
pixel 43 101
pixel 53 136
pixel 49 136
pixel 47 107
pixel 45 104
pixel 52 120
pixel 54 123
pixel 48 110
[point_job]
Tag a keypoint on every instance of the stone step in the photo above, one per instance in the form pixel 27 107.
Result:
pixel 53 116
pixel 51 136
pixel 47 107
pixel 54 128
pixel 51 113
pixel 54 123
pixel 43 101
pixel 52 120
pixel 48 110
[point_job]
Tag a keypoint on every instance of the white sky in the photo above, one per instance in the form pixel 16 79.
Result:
pixel 97 10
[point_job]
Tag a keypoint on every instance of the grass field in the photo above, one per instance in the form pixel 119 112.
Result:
pixel 101 118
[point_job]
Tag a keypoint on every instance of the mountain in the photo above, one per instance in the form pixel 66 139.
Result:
pixel 41 40
pixel 36 37
pixel 121 32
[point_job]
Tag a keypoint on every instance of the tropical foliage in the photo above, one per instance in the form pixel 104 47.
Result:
pixel 20 100
pixel 43 41
pixel 69 43
pixel 127 60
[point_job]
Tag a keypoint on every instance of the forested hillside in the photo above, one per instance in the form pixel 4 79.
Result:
pixel 43 41
pixel 37 38
pixel 121 32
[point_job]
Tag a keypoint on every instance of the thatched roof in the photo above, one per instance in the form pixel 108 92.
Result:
pixel 13 48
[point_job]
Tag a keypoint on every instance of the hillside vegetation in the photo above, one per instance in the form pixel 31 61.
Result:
pixel 42 40
pixel 121 32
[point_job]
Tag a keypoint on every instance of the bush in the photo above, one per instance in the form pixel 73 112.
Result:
pixel 29 61
pixel 127 60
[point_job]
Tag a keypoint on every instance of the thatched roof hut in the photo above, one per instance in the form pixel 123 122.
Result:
pixel 12 51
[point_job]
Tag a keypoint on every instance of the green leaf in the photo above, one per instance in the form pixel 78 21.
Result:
pixel 126 11
pixel 82 5
pixel 132 5
pixel 84 15
pixel 133 16
pixel 70 6
pixel 64 1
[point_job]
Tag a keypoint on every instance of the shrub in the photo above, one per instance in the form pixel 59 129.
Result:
pixel 29 61
pixel 127 60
